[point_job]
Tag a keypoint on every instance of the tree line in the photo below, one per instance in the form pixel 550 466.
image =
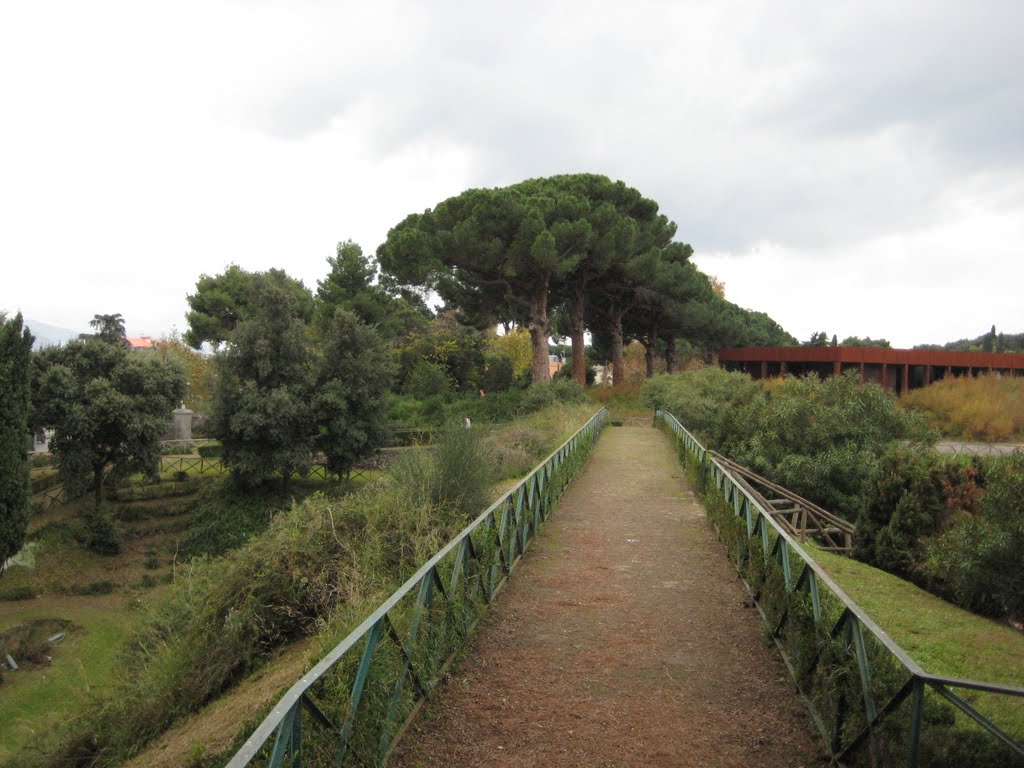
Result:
pixel 569 254
pixel 299 375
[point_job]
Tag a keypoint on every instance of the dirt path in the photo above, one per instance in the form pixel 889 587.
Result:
pixel 622 640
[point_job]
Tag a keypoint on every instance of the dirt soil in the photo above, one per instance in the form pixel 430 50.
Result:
pixel 624 639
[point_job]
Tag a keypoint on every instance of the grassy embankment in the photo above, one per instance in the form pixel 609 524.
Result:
pixel 987 408
pixel 97 599
pixel 155 692
pixel 942 638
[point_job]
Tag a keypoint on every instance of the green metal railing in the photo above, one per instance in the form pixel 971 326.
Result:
pixel 856 680
pixel 351 708
pixel 202 466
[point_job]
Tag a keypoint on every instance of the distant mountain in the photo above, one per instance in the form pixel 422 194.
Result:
pixel 49 335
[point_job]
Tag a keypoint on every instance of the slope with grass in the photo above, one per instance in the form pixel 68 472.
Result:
pixel 315 571
pixel 98 598
pixel 39 696
pixel 942 638
pixel 987 408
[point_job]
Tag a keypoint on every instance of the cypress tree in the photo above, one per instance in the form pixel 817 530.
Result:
pixel 15 361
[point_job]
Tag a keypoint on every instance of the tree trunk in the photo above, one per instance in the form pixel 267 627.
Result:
pixel 618 363
pixel 97 475
pixel 577 326
pixel 650 347
pixel 671 357
pixel 540 329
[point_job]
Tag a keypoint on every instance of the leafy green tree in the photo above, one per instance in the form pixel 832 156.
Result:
pixel 349 402
pixel 200 371
pixel 603 235
pixel 493 253
pixel 109 328
pixel 630 284
pixel 514 345
pixel 867 341
pixel 1004 342
pixel 352 285
pixel 15 377
pixel 445 354
pixel 818 339
pixel 989 340
pixel 221 302
pixel 671 285
pixel 107 407
pixel 261 408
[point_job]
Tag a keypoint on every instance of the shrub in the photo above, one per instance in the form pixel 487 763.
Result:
pixel 178 448
pixel 704 400
pixel 557 391
pixel 158 490
pixel 226 517
pixel 979 562
pixel 37 460
pixel 565 372
pixel 821 439
pixel 428 379
pixel 455 475
pixel 913 496
pixel 214 451
pixel 102 587
pixel 499 374
pixel 99 534
pixel 12 593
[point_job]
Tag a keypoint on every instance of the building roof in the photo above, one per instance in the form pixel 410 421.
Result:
pixel 876 355
pixel 140 342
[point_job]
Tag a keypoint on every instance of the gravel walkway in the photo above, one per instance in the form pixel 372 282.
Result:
pixel 623 639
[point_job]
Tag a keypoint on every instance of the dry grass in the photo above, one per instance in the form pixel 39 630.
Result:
pixel 989 408
pixel 622 400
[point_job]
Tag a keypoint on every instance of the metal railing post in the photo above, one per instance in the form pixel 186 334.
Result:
pixel 916 715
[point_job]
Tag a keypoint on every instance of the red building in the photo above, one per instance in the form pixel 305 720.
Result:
pixel 897 369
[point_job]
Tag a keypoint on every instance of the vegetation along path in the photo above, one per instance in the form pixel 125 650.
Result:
pixel 624 639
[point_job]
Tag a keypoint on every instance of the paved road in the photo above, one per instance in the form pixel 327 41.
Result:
pixel 623 639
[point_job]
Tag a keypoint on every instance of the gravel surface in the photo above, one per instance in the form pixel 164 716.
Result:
pixel 624 639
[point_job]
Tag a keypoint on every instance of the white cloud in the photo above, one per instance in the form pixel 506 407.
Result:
pixel 950 281
pixel 149 144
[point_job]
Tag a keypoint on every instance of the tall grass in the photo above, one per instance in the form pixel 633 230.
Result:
pixel 316 569
pixel 989 408
pixel 622 399
pixel 223 617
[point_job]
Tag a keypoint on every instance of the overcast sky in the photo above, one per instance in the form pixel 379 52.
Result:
pixel 852 167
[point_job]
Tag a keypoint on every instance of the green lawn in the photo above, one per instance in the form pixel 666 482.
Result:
pixel 942 638
pixel 33 700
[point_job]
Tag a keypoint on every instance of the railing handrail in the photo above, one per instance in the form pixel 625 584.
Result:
pixel 293 696
pixel 819 572
pixel 918 676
